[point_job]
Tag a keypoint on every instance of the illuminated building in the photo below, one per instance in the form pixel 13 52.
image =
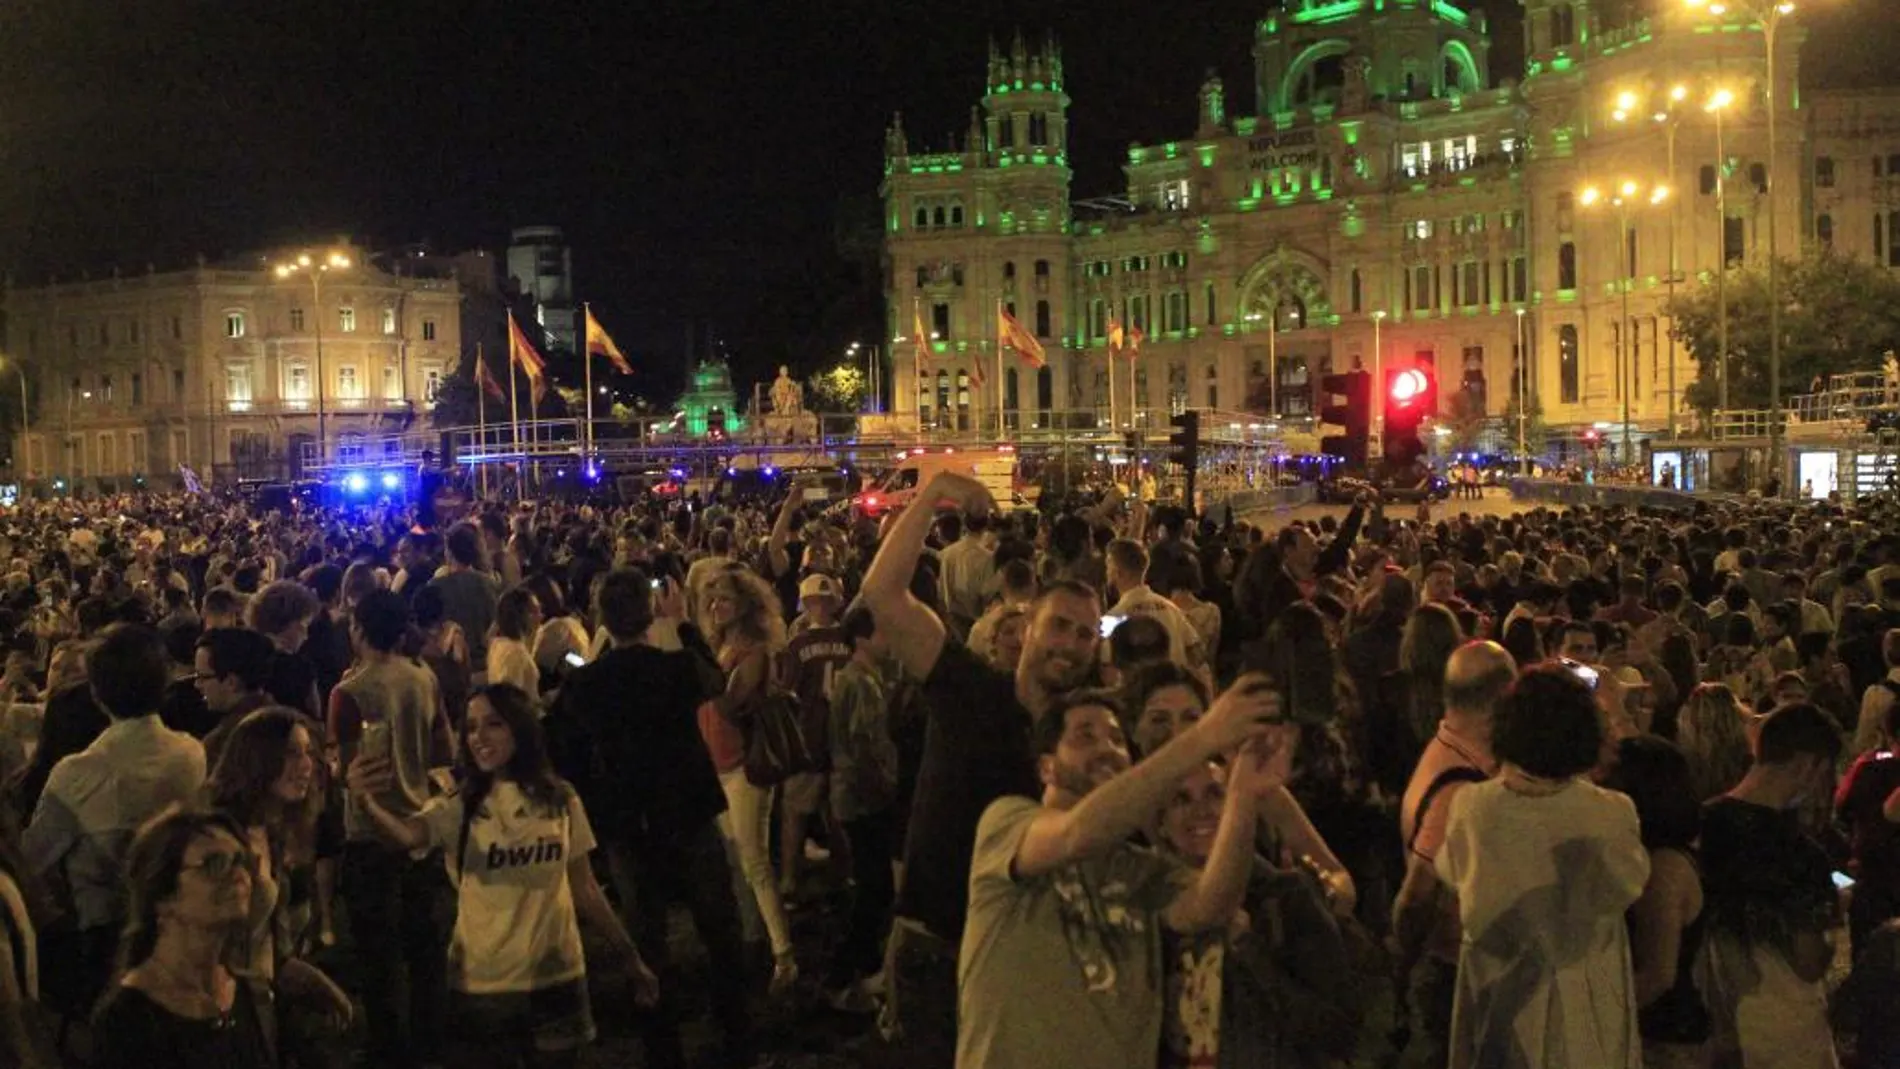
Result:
pixel 1384 183
pixel 712 392
pixel 541 270
pixel 215 367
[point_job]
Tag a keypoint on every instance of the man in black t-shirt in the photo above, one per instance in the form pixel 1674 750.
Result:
pixel 977 748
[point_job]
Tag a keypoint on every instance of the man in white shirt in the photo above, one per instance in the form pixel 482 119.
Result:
pixel 97 799
pixel 968 576
pixel 1127 567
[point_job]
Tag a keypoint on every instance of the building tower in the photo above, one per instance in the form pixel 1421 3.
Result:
pixel 1304 53
pixel 984 223
pixel 541 270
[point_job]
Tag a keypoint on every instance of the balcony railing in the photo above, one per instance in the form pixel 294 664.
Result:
pixel 333 406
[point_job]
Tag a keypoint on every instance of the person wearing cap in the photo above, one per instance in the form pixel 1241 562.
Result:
pixel 817 650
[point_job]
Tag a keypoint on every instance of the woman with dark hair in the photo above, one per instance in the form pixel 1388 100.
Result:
pixel 267 781
pixel 1411 700
pixel 1543 864
pixel 1666 925
pixel 517 618
pixel 561 631
pixel 181 1002
pixel 1163 700
pixel 1522 641
pixel 440 644
pixel 517 840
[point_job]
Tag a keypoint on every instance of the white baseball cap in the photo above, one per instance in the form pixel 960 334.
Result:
pixel 818 585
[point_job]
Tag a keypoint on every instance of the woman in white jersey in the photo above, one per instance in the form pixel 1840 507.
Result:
pixel 516 838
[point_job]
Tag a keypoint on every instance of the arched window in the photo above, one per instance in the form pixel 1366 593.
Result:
pixel 1045 390
pixel 1705 179
pixel 922 218
pixel 1009 269
pixel 956 215
pixel 1567 266
pixel 1569 374
pixel 937 216
pixel 1289 313
pixel 1042 269
pixel 1758 177
pixel 1213 386
pixel 1354 291
pixel 1011 398
pixel 1042 319
pixel 1824 172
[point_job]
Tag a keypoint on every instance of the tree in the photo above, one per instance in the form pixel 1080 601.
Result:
pixel 1464 417
pixel 1536 435
pixel 1837 315
pixel 837 389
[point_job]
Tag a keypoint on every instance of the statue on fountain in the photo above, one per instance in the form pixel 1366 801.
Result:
pixel 788 397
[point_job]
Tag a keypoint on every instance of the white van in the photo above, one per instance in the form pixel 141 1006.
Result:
pixel 994 468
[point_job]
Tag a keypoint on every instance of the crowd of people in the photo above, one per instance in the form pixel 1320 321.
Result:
pixel 1096 786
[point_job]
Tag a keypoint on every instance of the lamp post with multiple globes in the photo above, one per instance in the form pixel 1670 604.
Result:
pixel 315 269
pixel 1626 195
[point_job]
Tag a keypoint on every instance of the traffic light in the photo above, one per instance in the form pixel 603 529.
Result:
pixel 1184 444
pixel 1411 394
pixel 1353 414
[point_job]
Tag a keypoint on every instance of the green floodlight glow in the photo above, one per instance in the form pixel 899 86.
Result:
pixel 1245 125
pixel 1450 14
pixel 1206 152
pixel 1337 11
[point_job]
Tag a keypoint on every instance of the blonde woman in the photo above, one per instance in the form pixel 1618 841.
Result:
pixel 746 629
pixel 1712 730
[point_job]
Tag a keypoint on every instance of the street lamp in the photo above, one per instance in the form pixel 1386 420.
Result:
pixel 1767 14
pixel 72 445
pixel 1378 366
pixel 1666 116
pixel 315 270
pixel 1719 103
pixel 1627 195
pixel 1523 394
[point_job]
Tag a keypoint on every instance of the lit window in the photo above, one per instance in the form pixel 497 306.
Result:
pixel 431 383
pixel 392 383
pixel 347 382
pixel 346 320
pixel 234 324
pixel 389 321
pixel 1422 229
pixel 237 386
pixel 297 383
pixel 1174 196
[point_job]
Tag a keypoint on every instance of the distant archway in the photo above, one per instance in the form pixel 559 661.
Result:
pixel 1285 288
pixel 1460 68
pixel 1316 75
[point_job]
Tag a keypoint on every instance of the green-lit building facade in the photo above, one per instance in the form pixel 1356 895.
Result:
pixel 1379 197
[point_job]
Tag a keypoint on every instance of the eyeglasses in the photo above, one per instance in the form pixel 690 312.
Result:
pixel 221 865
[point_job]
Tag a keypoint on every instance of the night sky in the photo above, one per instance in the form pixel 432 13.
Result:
pixel 710 166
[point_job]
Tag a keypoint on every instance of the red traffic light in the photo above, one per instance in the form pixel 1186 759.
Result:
pixel 1590 436
pixel 1409 386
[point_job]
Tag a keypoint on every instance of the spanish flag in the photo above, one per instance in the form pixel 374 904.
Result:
pixel 1135 337
pixel 1115 335
pixel 919 336
pixel 1010 333
pixel 599 344
pixel 521 353
pixel 486 380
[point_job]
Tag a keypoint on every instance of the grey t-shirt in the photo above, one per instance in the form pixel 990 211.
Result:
pixel 468 598
pixel 1065 968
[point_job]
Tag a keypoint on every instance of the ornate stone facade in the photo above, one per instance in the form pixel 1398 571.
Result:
pixel 1389 202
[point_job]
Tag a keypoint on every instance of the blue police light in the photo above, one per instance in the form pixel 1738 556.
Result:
pixel 592 472
pixel 392 481
pixel 732 471
pixel 770 471
pixel 356 482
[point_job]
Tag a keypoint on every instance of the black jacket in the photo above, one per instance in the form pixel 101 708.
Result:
pixel 625 733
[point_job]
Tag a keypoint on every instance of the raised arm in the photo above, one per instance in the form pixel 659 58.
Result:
pixel 775 551
pixel 1260 768
pixel 1111 812
pixel 916 634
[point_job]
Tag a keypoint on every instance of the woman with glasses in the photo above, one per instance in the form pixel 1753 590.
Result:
pixel 181 1002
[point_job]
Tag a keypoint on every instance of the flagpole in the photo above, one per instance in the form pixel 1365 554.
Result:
pixel 587 381
pixel 1001 432
pixel 514 406
pixel 481 420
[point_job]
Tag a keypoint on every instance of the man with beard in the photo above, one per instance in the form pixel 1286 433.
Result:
pixel 1060 962
pixel 977 748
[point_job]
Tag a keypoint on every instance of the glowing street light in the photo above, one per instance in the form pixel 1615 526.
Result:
pixel 315 270
pixel 1628 194
pixel 1766 14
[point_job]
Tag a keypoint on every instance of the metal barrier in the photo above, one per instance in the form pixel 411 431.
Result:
pixel 1600 495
